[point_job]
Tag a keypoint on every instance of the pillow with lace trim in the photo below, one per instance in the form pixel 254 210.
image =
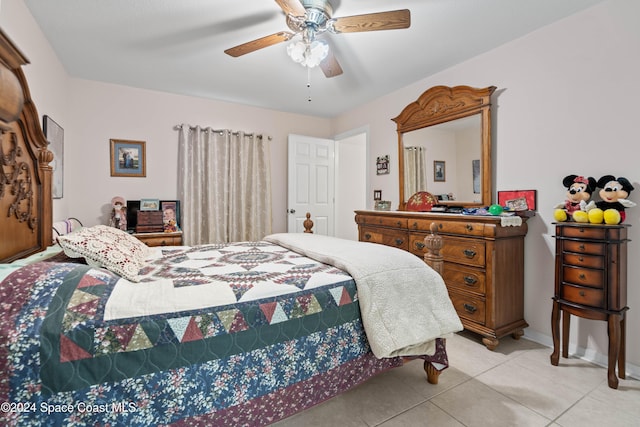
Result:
pixel 100 249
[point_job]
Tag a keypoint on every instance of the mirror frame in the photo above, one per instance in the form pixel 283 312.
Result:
pixel 442 104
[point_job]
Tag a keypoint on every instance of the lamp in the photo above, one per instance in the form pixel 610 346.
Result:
pixel 308 53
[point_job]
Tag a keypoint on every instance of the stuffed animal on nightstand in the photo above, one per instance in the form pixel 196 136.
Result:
pixel 579 190
pixel 614 192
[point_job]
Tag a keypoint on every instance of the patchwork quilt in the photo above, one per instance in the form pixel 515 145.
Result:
pixel 233 334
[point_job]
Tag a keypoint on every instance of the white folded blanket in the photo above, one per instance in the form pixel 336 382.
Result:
pixel 404 303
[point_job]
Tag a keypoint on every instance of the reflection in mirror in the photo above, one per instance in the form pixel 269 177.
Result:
pixel 456 145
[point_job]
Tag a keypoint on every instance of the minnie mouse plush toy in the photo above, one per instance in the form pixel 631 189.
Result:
pixel 579 189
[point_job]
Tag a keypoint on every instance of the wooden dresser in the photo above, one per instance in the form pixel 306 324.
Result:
pixel 483 264
pixel 591 282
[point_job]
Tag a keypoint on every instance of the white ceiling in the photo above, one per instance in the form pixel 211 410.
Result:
pixel 177 46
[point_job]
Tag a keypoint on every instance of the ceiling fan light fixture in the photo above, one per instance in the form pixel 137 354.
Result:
pixel 308 54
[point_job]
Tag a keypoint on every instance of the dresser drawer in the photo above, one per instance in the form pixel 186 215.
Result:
pixel 416 244
pixel 449 227
pixel 464 278
pixel 383 222
pixel 586 232
pixel 388 238
pixel 468 307
pixel 583 276
pixel 584 296
pixel 464 251
pixel 579 260
pixel 583 247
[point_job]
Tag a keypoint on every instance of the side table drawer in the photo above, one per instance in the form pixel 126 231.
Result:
pixel 584 232
pixel 583 247
pixel 584 296
pixel 579 260
pixel 160 239
pixel 583 276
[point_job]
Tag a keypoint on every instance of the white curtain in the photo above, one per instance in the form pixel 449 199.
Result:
pixel 415 170
pixel 224 183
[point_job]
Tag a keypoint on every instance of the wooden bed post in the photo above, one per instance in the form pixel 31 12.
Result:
pixel 434 259
pixel 308 224
pixel 433 242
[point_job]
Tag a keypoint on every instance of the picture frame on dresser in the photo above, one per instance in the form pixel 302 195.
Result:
pixel 133 206
pixel 128 158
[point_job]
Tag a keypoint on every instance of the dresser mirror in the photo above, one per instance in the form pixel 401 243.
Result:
pixel 444 146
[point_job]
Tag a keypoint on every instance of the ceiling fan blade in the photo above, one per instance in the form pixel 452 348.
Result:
pixel 260 43
pixel 393 20
pixel 292 7
pixel 330 66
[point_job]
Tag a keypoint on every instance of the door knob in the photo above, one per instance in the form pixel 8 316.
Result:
pixel 292 211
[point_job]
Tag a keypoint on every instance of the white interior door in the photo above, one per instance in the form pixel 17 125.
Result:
pixel 311 184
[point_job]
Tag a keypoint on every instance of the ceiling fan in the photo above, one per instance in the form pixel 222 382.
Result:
pixel 312 18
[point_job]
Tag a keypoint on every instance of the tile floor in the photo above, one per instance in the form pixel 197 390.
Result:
pixel 515 385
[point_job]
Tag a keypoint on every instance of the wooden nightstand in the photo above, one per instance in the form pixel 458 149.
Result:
pixel 591 282
pixel 160 239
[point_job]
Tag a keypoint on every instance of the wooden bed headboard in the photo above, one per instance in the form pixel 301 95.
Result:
pixel 25 178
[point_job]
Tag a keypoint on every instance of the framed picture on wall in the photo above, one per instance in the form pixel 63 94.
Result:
pixel 439 174
pixel 128 158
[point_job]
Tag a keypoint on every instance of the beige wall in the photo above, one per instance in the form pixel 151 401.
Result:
pixel 566 103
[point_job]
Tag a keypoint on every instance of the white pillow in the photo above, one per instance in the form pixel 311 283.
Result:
pixel 101 247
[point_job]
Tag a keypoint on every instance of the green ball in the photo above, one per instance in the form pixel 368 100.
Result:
pixel 495 209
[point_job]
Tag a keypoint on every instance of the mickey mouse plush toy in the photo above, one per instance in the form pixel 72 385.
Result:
pixel 579 189
pixel 614 192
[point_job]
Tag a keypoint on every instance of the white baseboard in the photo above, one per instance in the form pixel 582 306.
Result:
pixel 582 353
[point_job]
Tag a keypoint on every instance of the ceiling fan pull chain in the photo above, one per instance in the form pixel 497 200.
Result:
pixel 309 83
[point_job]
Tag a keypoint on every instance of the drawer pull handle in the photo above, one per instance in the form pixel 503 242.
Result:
pixel 469 227
pixel 580 259
pixel 470 308
pixel 581 293
pixel 469 253
pixel 581 247
pixel 470 280
pixel 399 223
pixel 367 236
pixel 415 225
pixel 399 242
pixel 582 276
pixel 420 245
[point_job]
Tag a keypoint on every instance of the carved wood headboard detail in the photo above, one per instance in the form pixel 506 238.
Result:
pixel 25 173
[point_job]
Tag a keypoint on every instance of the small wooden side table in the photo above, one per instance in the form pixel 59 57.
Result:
pixel 591 282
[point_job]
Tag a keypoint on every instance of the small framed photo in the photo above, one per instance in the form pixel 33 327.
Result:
pixel 170 215
pixel 149 204
pixel 518 200
pixel 439 174
pixel 128 158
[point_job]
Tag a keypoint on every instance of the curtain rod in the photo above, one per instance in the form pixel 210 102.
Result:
pixel 221 131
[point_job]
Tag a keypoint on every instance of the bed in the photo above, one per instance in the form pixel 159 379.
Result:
pixel 98 329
